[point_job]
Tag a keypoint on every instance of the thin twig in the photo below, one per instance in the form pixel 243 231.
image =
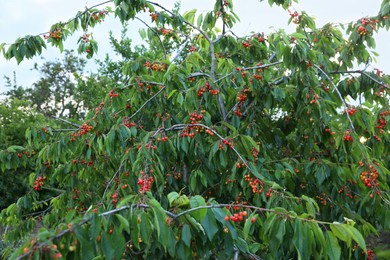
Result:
pixel 158 36
pixel 66 121
pixel 364 73
pixel 339 94
pixel 147 101
pixel 113 177
pixel 183 126
pixel 198 74
pixel 250 68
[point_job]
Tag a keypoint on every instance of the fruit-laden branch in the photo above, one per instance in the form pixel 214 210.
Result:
pixel 212 53
pixel 364 73
pixel 184 126
pixel 284 214
pixel 87 9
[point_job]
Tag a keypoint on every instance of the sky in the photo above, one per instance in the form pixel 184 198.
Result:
pixel 31 17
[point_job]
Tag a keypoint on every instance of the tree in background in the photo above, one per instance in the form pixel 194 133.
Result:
pixel 210 145
pixel 63 89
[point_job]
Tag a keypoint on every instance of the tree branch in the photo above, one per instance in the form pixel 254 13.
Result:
pixel 147 101
pixel 364 73
pixel 183 126
pixel 66 121
pixel 339 94
pixel 158 36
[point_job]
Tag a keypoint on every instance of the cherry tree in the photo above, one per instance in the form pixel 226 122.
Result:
pixel 214 145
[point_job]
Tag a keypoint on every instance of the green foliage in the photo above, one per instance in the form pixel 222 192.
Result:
pixel 213 146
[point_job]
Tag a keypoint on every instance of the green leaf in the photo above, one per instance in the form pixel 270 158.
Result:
pixel 300 239
pixel 356 235
pixel 385 9
pixel 298 35
pixel 340 232
pixel 319 237
pixel 160 222
pixel 189 16
pixel 86 243
pixel 124 223
pixel 333 247
pixel 210 225
pixel 180 99
pixel 106 244
pixel 242 245
pixel 186 235
pixel 249 139
pixel 198 201
pixel 172 196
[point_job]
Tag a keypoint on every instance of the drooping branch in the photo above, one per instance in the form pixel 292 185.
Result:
pixel 146 102
pixel 158 37
pixel 66 121
pixel 363 73
pixel 283 214
pixel 212 54
pixel 87 9
pixel 112 178
pixel 198 74
pixel 184 126
pixel 250 68
pixel 338 93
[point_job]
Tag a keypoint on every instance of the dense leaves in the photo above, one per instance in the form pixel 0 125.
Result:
pixel 211 145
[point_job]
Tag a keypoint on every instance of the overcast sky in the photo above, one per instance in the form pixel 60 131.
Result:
pixel 23 17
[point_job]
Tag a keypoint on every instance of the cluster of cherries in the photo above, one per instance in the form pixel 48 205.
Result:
pixel 145 183
pixel 99 108
pixel 38 183
pixel 154 16
pixel 260 37
pixel 162 139
pixel 56 34
pixel 351 111
pixel 241 98
pixel 127 123
pixel 369 177
pixel 382 120
pixel 348 137
pixel 165 31
pixel 246 44
pixel 239 217
pixel 255 184
pixel 195 117
pixel 224 142
pixel 98 16
pixel 294 16
pixel 112 93
pixel 362 29
pixel 210 89
pixel 85 128
pixel 155 66
pixel 192 49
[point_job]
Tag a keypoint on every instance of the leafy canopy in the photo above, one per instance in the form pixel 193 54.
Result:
pixel 212 145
